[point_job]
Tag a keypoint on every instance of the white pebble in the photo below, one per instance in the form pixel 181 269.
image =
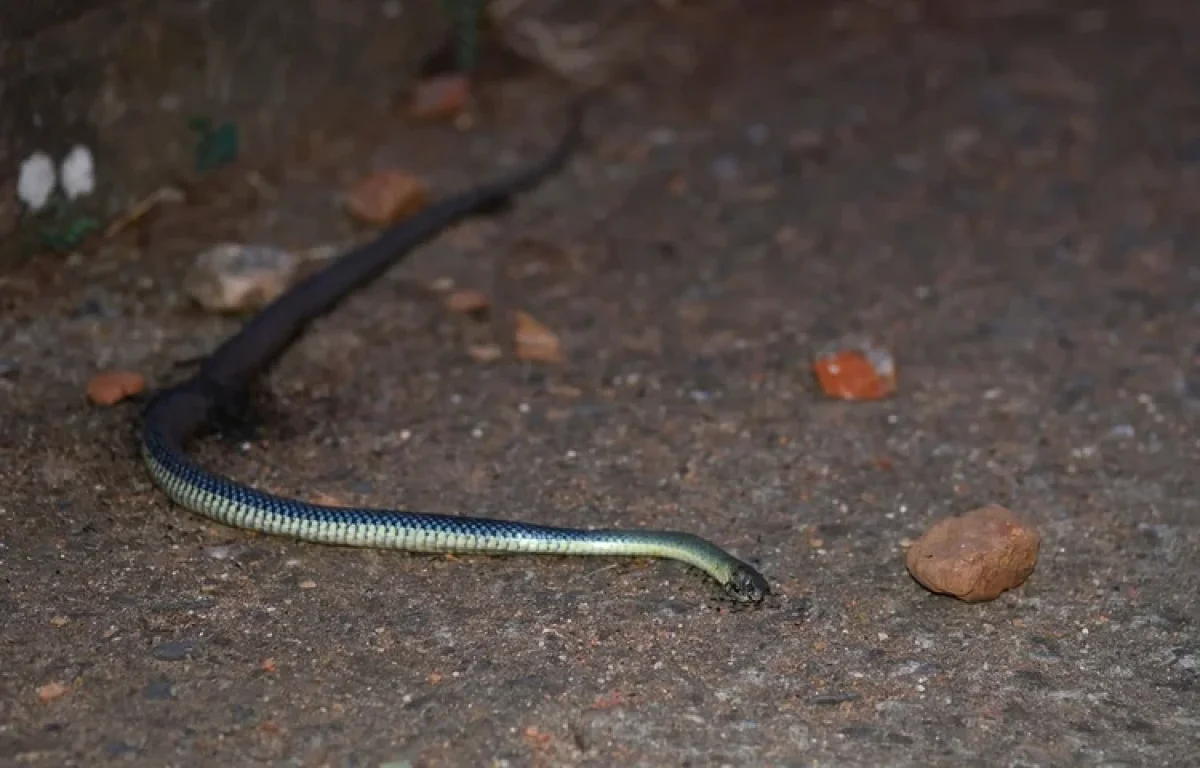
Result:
pixel 36 180
pixel 78 172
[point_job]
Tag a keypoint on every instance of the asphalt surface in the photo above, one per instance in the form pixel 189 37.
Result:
pixel 1004 197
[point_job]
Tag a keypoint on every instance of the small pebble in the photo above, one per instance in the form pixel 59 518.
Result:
pixel 386 197
pixel 856 369
pixel 535 342
pixel 308 584
pixel 485 353
pixel 225 551
pixel 977 556
pixel 111 387
pixel 467 302
pixel 231 277
pixel 51 691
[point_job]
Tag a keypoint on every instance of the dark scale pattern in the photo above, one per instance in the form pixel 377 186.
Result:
pixel 245 507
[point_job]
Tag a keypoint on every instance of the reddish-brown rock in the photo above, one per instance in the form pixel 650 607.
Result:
pixel 386 197
pixel 856 369
pixel 467 302
pixel 976 556
pixel 535 342
pixel 111 387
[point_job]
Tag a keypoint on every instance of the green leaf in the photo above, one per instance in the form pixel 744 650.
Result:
pixel 215 147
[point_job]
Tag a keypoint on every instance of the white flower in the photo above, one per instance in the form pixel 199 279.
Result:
pixel 37 180
pixel 78 172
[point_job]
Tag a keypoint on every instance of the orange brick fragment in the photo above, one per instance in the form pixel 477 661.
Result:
pixel 856 374
pixel 111 387
pixel 536 342
pixel 386 197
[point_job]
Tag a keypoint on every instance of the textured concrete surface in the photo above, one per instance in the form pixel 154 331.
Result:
pixel 1005 195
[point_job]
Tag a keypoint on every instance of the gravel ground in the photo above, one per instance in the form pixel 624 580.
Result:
pixel 1004 194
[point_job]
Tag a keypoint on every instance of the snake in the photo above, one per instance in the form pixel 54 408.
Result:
pixel 217 393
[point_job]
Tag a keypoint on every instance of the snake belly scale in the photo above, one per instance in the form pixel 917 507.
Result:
pixel 179 413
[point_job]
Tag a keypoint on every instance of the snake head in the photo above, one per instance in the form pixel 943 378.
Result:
pixel 746 585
